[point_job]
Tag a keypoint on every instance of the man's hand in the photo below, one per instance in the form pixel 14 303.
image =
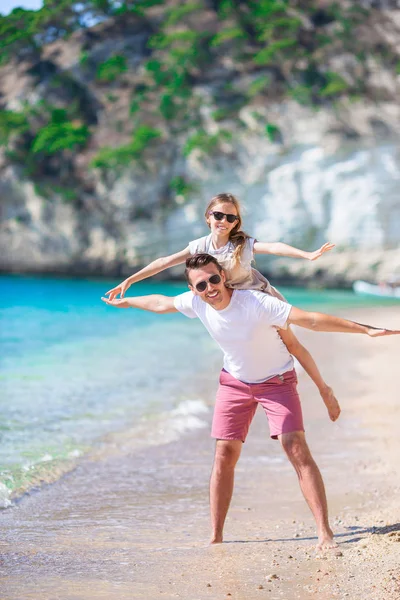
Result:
pixel 374 332
pixel 318 253
pixel 117 302
pixel 153 302
pixel 322 322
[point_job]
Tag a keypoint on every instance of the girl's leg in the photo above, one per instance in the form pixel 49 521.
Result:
pixel 307 362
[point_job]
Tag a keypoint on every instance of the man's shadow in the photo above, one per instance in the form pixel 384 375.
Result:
pixel 354 533
pixel 359 531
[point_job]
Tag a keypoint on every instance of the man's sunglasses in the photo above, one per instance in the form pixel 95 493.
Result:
pixel 218 216
pixel 202 285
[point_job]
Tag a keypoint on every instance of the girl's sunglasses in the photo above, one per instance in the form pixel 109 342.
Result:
pixel 218 216
pixel 202 285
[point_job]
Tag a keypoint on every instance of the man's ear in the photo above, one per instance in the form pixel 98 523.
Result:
pixel 191 288
pixel 223 275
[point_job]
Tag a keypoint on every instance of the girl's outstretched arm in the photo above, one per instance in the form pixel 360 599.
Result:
pixel 281 249
pixel 158 265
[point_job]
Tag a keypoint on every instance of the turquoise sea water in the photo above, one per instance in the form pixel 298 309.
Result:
pixel 73 369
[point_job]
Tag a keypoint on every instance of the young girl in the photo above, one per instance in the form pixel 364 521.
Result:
pixel 235 250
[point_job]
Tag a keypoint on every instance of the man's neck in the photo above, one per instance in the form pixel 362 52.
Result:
pixel 227 299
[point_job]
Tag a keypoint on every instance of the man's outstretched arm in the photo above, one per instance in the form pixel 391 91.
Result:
pixel 154 303
pixel 322 322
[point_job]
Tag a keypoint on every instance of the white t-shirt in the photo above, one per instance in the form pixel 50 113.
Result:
pixel 239 274
pixel 245 331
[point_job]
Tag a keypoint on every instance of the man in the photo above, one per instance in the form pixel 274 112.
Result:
pixel 257 369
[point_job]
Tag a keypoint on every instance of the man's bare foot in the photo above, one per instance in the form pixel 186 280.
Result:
pixel 330 402
pixel 326 542
pixel 216 539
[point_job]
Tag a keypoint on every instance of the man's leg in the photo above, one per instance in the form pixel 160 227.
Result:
pixel 311 484
pixel 227 454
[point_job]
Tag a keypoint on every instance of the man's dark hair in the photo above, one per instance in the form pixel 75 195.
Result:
pixel 197 261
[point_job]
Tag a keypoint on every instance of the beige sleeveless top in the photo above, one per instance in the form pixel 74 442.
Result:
pixel 240 276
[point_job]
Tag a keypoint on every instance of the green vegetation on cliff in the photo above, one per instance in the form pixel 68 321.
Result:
pixel 148 70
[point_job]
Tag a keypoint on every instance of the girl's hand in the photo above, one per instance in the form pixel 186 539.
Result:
pixel 331 402
pixel 325 248
pixel 119 289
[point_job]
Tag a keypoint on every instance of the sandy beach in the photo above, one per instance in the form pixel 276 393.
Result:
pixel 132 522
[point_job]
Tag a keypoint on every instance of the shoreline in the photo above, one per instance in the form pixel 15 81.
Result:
pixel 135 525
pixel 306 277
pixel 88 274
pixel 335 270
pixel 189 415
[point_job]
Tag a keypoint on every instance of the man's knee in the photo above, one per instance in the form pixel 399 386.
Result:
pixel 227 453
pixel 295 446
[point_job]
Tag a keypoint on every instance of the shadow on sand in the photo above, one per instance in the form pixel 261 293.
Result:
pixel 354 534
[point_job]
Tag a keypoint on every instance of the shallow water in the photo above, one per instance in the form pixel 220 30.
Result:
pixel 73 370
pixel 131 520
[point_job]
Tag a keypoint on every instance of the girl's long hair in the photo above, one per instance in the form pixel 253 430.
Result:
pixel 236 236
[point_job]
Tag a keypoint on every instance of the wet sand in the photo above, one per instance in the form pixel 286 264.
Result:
pixel 133 523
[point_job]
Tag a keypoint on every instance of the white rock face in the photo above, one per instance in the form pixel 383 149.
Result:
pixel 318 192
pixel 35 234
pixel 318 184
pixel 354 201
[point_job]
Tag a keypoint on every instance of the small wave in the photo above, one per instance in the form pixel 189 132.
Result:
pixel 5 496
pixel 190 407
pixel 45 469
pixel 156 430
pixel 184 417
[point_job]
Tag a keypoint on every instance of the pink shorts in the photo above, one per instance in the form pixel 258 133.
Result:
pixel 237 403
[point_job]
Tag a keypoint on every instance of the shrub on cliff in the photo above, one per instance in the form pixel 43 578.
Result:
pixel 154 68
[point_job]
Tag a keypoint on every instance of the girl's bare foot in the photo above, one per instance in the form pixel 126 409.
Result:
pixel 330 402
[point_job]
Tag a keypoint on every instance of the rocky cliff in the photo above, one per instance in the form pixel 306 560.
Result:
pixel 110 149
